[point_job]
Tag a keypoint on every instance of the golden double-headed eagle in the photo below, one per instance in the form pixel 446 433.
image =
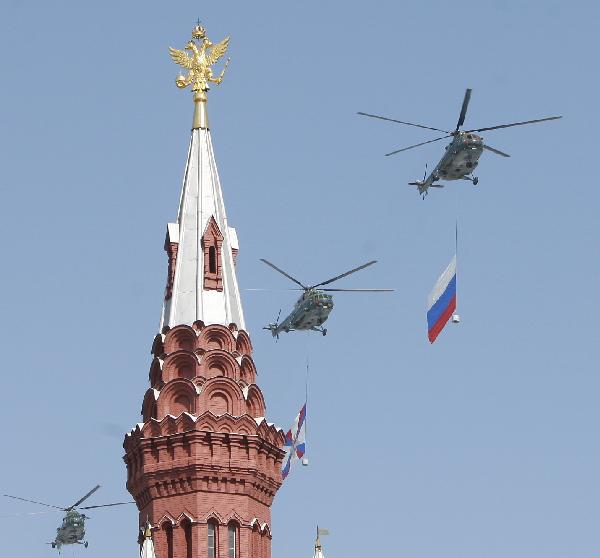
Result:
pixel 204 55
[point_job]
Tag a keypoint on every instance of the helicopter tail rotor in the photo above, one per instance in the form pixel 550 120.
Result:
pixel 421 183
pixel 272 327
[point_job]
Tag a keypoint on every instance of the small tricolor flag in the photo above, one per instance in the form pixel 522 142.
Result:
pixel 442 301
pixel 294 445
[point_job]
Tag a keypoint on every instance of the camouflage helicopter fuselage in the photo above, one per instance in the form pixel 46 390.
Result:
pixel 71 531
pixel 458 162
pixel 310 313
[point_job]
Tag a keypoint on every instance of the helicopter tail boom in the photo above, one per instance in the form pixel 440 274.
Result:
pixel 422 183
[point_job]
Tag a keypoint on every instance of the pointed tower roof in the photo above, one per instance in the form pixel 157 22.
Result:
pixel 203 401
pixel 202 248
pixel 318 550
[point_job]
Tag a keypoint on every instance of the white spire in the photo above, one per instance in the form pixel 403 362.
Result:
pixel 204 284
pixel 147 550
pixel 318 548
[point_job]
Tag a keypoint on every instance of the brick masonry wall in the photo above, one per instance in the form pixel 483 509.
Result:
pixel 203 455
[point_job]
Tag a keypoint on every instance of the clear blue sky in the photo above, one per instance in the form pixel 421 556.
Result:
pixel 483 445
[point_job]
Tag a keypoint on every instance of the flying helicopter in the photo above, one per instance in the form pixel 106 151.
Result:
pixel 72 528
pixel 314 305
pixel 462 153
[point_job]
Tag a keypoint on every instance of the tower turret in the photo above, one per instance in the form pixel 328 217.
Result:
pixel 204 465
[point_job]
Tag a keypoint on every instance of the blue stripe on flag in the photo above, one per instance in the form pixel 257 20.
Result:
pixel 286 470
pixel 434 313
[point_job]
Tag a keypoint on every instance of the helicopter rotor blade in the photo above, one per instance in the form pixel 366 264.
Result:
pixel 360 290
pixel 416 145
pixel 106 505
pixel 31 513
pixel 283 273
pixel 35 502
pixel 463 110
pixel 514 124
pixel 402 122
pixel 272 290
pixel 344 274
pixel 84 497
pixel 496 151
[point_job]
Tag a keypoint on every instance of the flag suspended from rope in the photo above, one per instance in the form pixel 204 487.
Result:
pixel 441 303
pixel 295 444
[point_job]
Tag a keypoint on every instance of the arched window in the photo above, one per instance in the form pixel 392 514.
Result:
pixel 169 533
pixel 212 539
pixel 187 530
pixel 232 541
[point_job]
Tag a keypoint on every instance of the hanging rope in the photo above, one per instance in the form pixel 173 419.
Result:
pixel 456 222
pixel 456 316
pixel 306 393
pixel 456 238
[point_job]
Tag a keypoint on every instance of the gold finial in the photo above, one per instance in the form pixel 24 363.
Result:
pixel 204 55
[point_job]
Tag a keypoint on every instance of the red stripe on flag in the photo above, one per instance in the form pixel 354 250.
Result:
pixel 443 319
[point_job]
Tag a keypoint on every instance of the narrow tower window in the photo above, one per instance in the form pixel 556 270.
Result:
pixel 187 529
pixel 212 245
pixel 232 540
pixel 212 540
pixel 169 533
pixel 212 260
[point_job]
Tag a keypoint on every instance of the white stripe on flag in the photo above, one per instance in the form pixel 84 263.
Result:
pixel 442 283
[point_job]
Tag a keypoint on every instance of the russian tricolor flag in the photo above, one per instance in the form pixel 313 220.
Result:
pixel 295 444
pixel 441 303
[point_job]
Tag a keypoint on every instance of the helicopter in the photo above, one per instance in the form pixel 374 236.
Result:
pixel 72 529
pixel 462 153
pixel 314 306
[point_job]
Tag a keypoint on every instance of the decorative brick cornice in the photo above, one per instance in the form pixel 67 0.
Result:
pixel 204 449
pixel 172 463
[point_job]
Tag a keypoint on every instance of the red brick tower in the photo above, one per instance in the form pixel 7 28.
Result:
pixel 204 466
